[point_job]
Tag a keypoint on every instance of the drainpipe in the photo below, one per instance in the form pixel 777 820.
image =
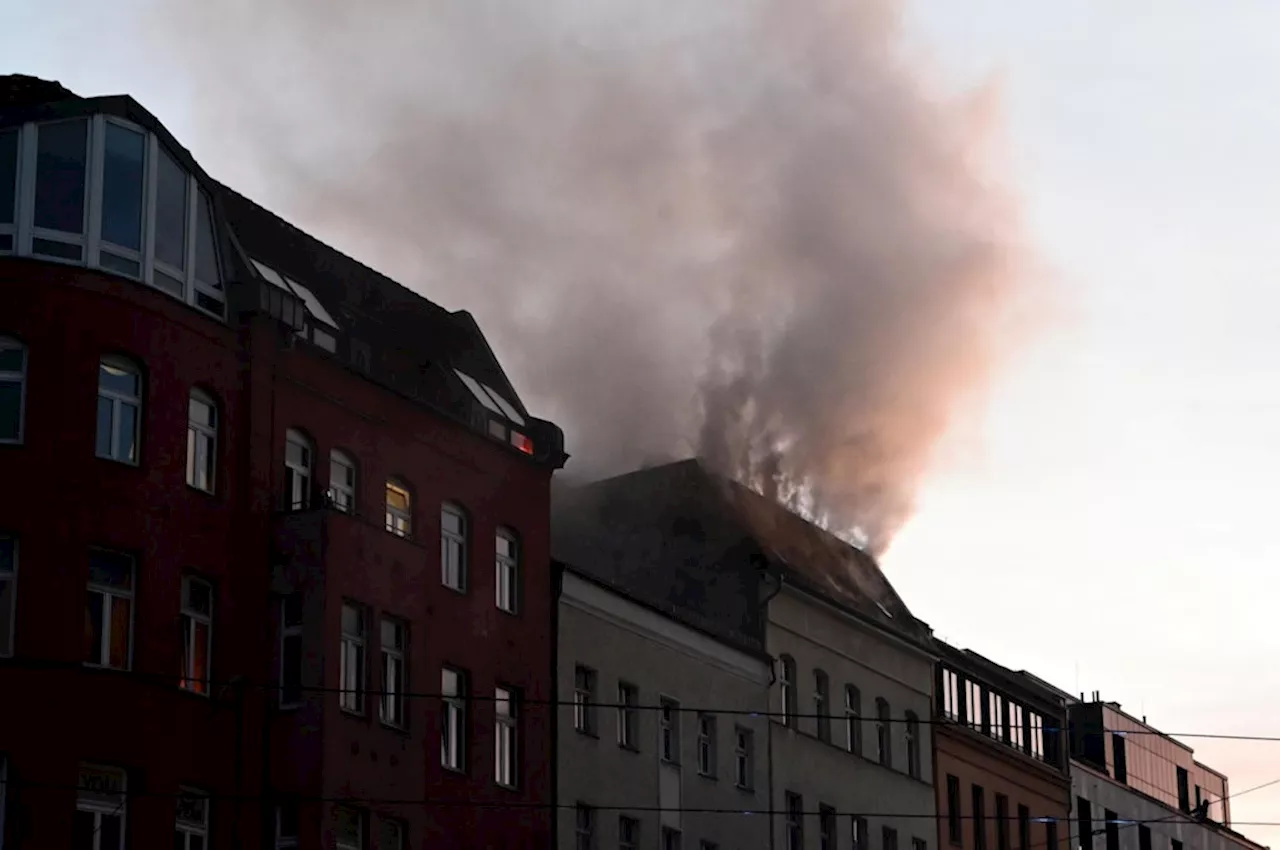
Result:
pixel 768 721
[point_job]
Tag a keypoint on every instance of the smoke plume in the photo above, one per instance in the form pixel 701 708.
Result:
pixel 753 230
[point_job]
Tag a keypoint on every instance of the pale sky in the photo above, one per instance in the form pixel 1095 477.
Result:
pixel 1104 524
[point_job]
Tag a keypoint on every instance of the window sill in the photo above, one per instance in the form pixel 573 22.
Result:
pixel 450 770
pixel 398 728
pixel 505 787
pixel 631 748
pixel 672 762
pixel 209 494
pixel 131 464
pixel 354 713
pixel 206 695
pixel 745 789
pixel 461 591
pixel 710 776
pixel 587 733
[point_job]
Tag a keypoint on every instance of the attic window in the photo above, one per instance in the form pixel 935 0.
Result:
pixel 316 314
pixel 490 398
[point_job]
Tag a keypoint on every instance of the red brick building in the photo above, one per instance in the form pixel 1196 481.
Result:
pixel 1000 759
pixel 263 506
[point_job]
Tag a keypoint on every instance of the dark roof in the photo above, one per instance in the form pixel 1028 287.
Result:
pixel 20 90
pixel 696 541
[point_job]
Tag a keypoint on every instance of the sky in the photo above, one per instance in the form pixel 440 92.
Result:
pixel 1102 520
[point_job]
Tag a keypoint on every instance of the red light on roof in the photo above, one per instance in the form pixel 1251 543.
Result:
pixel 521 442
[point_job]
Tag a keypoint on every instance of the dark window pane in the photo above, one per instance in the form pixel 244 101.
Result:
pixel 291 686
pixel 82 831
pixel 122 181
pixel 6 242
pixel 119 264
pixel 93 627
pixel 110 832
pixel 10 409
pixel 7 547
pixel 8 175
pixel 60 176
pixel 206 253
pixel 110 569
pixel 169 284
pixel 103 448
pixel 53 248
pixel 171 211
pixel 6 617
pixel 117 380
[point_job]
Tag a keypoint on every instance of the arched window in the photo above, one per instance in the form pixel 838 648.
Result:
pixel 853 719
pixel 822 704
pixel 883 741
pixel 913 744
pixel 119 409
pixel 202 440
pixel 13 386
pixel 399 508
pixel 787 689
pixel 507 567
pixel 298 459
pixel 342 481
pixel 453 546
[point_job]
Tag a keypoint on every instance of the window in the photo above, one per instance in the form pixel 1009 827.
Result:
pixel 13 379
pixel 707 744
pixel 1144 837
pixel 919 844
pixel 1176 845
pixel 453 714
pixel 453 547
pixel 743 758
pixel 883 741
pixel 348 828
pixel 1120 763
pixel 1037 734
pixel 8 592
pixel 1024 828
pixel 704 844
pixel 399 509
pixel 60 210
pixel 628 833
pixel 101 807
pixel 996 719
pixel 853 719
pixel 950 694
pixel 827 828
pixel 507 571
pixel 1084 817
pixel 351 660
pixel 889 837
pixel 123 184
pixel 342 482
pixel 1112 829
pixel 291 650
pixel 191 823
pixel 913 744
pixel 1184 793
pixel 287 826
pixel 1016 737
pixel 8 188
pixel 394 671
pixel 584 827
pixel 390 834
pixel 979 818
pixel 822 704
pixel 202 440
pixel 1051 835
pixel 119 409
pixel 170 250
pixel 197 634
pixel 505 752
pixel 670 838
pixel 1002 822
pixel 297 471
pixel 108 619
pixel 859 833
pixel 973 704
pixel 795 822
pixel 953 810
pixel 584 699
pixel 628 697
pixel 208 277
pixel 787 688
pixel 669 730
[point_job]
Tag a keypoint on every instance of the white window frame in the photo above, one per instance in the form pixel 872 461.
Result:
pixel 853 719
pixel 290 631
pixel 506 750
pixel 28 231
pixel 298 474
pixel 112 802
pixel 11 230
pixel 395 671
pixel 353 663
pixel 99 245
pixel 108 596
pixel 202 442
pixel 507 571
pixel 794 825
pixel 787 689
pixel 669 730
pixel 399 520
pixel 584 698
pixel 189 829
pixel 453 575
pixel 10 576
pixel 453 719
pixel 628 697
pixel 884 740
pixel 8 343
pixel 342 493
pixel 362 829
pixel 118 401
pixel 743 757
pixel 190 619
pixel 707 744
pixel 822 705
pixel 912 738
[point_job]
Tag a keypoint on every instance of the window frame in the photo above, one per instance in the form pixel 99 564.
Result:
pixel 628 716
pixel 955 815
pixel 706 744
pixel 401 830
pixel 793 825
pixel 298 476
pixel 11 229
pixel 628 842
pixel 109 595
pixel 291 630
pixel 668 730
pixel 286 841
pixel 911 736
pixel 11 343
pixel 29 191
pixel 828 829
pixel 884 740
pixel 394 664
pixel 191 829
pixel 399 521
pixel 453 719
pixel 362 828
pixel 853 719
pixel 198 431
pixel 506 734
pixel 90 801
pixel 584 826
pixel 454 540
pixel 743 758
pixel 787 689
pixel 585 681
pixel 191 619
pixel 507 566
pixel 9 575
pixel 97 243
pixel 342 495
pixel 352 699
pixel 822 705
pixel 118 401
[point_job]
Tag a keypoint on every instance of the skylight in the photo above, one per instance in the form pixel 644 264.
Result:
pixel 314 307
pixel 507 408
pixel 478 391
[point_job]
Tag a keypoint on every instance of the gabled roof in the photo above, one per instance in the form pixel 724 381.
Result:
pixel 697 540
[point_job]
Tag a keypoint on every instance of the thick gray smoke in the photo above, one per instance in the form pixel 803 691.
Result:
pixel 747 229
